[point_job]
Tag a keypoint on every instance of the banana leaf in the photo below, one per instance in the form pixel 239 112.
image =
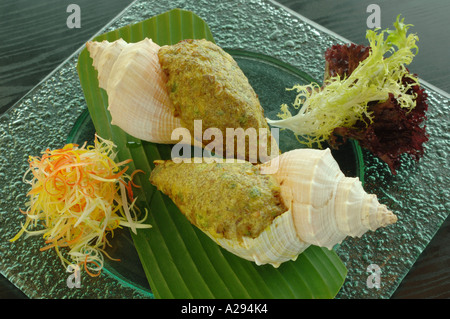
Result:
pixel 179 260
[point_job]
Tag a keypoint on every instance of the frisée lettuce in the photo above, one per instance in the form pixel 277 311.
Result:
pixel 344 100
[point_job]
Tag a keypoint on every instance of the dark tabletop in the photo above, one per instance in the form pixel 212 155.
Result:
pixel 35 39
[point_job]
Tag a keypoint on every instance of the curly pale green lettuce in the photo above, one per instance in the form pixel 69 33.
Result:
pixel 343 101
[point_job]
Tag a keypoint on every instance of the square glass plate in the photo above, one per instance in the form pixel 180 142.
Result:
pixel 46 115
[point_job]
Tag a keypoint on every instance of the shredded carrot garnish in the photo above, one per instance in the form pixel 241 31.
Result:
pixel 78 196
pixel 86 262
pixel 132 176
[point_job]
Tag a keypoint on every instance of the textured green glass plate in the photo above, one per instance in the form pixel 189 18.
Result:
pixel 179 260
pixel 418 194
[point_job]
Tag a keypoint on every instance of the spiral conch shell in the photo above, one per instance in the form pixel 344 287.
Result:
pixel 321 205
pixel 124 69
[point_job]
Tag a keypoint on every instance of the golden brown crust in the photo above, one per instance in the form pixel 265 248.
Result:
pixel 205 83
pixel 227 200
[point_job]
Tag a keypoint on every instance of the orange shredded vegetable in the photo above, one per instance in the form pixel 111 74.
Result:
pixel 78 196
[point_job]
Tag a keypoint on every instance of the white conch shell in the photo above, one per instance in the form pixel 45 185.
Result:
pixel 324 205
pixel 136 86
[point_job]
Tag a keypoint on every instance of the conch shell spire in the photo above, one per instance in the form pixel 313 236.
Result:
pixel 326 205
pixel 104 55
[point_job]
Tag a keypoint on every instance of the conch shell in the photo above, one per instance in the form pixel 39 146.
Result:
pixel 136 86
pixel 321 205
pixel 154 90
